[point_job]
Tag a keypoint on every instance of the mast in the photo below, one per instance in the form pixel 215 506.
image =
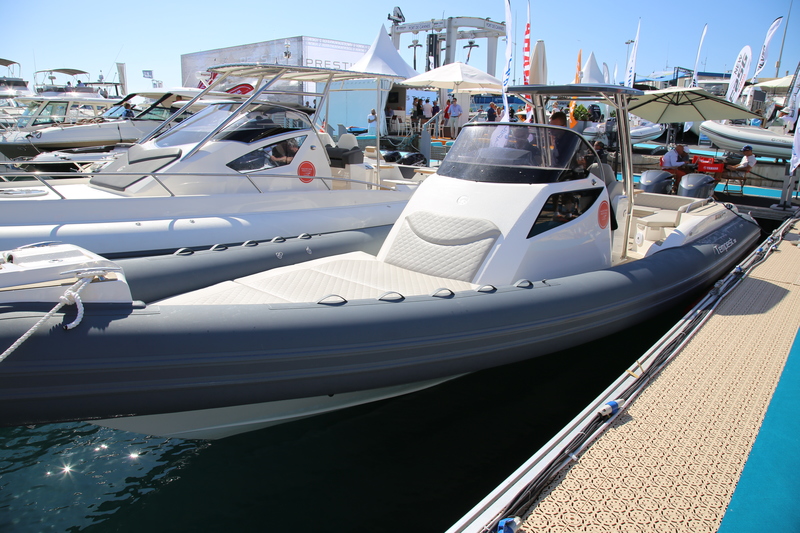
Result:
pixel 780 55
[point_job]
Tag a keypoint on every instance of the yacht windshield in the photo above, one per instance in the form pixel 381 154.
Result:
pixel 259 121
pixel 519 153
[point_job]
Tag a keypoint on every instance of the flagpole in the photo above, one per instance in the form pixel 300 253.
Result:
pixel 780 55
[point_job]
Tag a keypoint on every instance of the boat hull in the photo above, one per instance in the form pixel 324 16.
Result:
pixel 135 360
pixel 765 143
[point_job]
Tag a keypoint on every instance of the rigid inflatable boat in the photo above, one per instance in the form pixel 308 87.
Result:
pixel 765 143
pixel 519 245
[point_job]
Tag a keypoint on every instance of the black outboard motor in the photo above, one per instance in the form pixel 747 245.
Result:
pixel 696 186
pixel 657 181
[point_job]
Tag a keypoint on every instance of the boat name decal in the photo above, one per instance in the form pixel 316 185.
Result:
pixel 603 214
pixel 307 171
pixel 724 247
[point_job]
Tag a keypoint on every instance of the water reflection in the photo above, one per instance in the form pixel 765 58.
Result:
pixel 414 463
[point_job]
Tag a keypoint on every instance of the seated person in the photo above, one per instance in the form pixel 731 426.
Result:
pixel 283 152
pixel 567 209
pixel 745 165
pixel 519 139
pixel 676 163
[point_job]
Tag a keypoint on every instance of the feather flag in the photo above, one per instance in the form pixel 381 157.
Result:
pixel 574 103
pixel 739 75
pixel 630 72
pixel 526 50
pixel 762 58
pixel 697 59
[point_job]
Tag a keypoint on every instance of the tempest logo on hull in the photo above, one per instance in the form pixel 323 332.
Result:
pixel 724 247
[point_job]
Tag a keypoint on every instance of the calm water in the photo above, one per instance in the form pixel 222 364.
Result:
pixel 415 463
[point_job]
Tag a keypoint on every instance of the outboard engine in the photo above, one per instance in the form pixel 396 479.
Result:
pixel 696 186
pixel 657 181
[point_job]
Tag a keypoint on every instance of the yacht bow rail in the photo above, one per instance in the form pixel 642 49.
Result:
pixel 19 180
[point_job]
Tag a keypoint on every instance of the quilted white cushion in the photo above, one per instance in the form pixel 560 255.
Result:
pixel 352 276
pixel 442 246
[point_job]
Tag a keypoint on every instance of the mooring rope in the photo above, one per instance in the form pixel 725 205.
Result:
pixel 71 296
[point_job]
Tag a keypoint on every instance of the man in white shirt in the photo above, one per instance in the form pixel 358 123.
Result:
pixel 745 165
pixel 427 109
pixel 675 162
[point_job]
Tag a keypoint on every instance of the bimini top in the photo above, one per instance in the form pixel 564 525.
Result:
pixel 67 71
pixel 573 89
pixel 292 72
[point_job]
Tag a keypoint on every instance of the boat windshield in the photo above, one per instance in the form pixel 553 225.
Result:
pixel 518 153
pixel 52 113
pixel 261 120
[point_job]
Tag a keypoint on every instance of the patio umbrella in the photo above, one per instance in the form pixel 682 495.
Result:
pixel 538 65
pixel 456 77
pixel 684 104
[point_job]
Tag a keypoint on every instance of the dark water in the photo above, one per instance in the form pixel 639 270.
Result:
pixel 414 463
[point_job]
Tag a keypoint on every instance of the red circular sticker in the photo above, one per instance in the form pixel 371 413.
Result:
pixel 603 214
pixel 306 168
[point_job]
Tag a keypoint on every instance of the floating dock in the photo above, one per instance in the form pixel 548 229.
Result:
pixel 700 434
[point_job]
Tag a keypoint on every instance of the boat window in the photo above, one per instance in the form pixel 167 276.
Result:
pixel 194 130
pixel 52 113
pixel 273 155
pixel 520 153
pixel 114 112
pixel 260 121
pixel 563 207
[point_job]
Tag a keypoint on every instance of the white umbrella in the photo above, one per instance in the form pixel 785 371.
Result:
pixel 684 104
pixel 456 77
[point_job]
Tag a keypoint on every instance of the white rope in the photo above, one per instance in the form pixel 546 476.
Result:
pixel 70 296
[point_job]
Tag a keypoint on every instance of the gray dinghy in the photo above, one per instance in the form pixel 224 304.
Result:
pixel 518 246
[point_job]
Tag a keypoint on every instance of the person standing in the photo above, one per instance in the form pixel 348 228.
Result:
pixel 491 113
pixel 427 109
pixel 455 117
pixel 372 122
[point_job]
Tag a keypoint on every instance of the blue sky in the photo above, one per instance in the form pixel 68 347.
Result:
pixel 150 35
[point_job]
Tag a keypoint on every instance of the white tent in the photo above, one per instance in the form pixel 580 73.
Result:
pixel 383 58
pixel 350 102
pixel 591 72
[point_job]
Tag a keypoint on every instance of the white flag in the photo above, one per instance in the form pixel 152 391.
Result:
pixel 739 75
pixel 795 161
pixel 507 72
pixel 762 59
pixel 697 59
pixel 793 98
pixel 630 73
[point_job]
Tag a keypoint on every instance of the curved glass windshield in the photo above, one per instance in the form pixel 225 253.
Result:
pixel 258 121
pixel 519 153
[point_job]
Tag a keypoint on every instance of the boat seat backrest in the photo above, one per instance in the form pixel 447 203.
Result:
pixel 441 245
pixel 326 139
pixel 141 162
pixel 604 172
pixel 347 141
